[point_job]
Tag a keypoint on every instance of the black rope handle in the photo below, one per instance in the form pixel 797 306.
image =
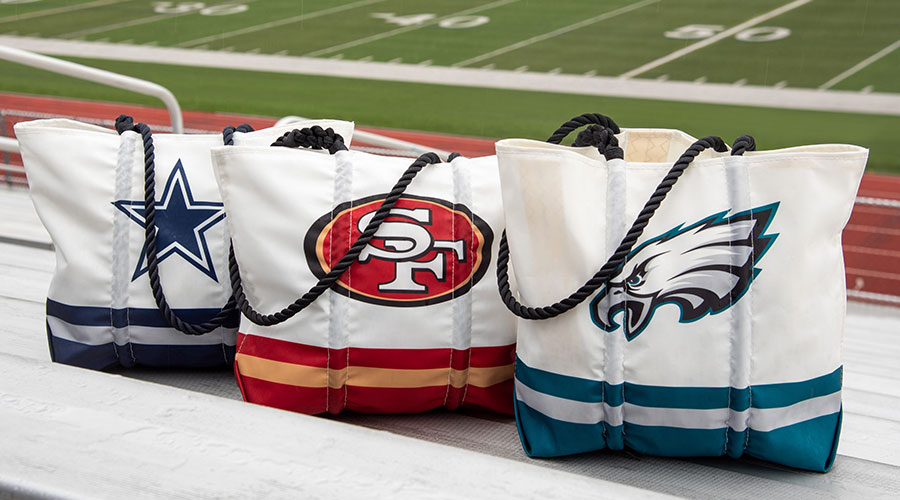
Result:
pixel 125 123
pixel 600 134
pixel 314 137
pixel 742 144
pixel 352 254
pixel 228 133
pixel 619 256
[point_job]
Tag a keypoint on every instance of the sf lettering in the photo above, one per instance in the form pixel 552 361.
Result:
pixel 407 241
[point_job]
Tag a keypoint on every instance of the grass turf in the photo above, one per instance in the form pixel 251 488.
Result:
pixel 826 36
pixel 468 111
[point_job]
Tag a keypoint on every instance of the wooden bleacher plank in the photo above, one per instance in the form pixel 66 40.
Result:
pixel 23 329
pixel 18 220
pixel 87 434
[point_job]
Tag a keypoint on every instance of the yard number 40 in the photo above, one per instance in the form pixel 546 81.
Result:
pixel 456 22
pixel 760 34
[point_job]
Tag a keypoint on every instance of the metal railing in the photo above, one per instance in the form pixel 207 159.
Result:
pixel 99 76
pixel 9 145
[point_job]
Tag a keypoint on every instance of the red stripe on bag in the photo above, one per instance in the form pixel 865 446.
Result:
pixel 484 357
pixel 497 398
pixel 390 400
pixel 309 400
pixel 280 350
pixel 409 359
pixel 276 373
pixel 312 400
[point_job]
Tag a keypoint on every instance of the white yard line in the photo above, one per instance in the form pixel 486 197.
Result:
pixel 59 10
pixel 134 22
pixel 877 202
pixel 710 93
pixel 880 297
pixel 406 29
pixel 862 65
pixel 561 31
pixel 280 22
pixel 123 24
pixel 713 39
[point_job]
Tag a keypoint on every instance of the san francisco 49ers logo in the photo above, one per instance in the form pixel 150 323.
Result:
pixel 426 251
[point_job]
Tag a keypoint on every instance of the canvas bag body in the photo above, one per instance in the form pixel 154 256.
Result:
pixel 87 185
pixel 652 361
pixel 402 331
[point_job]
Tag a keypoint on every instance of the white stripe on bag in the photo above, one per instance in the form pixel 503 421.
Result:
pixel 760 419
pixel 567 410
pixel 149 335
pixel 773 418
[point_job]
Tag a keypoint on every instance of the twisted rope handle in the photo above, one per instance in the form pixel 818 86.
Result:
pixel 318 140
pixel 602 276
pixel 742 144
pixel 314 137
pixel 125 123
pixel 580 121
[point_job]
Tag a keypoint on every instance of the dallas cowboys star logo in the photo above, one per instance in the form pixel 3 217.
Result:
pixel 181 224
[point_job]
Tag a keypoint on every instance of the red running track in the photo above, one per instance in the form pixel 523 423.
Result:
pixel 871 238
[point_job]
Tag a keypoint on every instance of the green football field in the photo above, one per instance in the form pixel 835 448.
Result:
pixel 849 45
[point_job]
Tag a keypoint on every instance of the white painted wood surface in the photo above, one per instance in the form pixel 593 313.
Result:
pixel 81 434
pixel 72 433
pixel 18 220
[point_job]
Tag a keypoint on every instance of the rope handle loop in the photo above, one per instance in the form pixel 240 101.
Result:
pixel 742 144
pixel 601 134
pixel 126 123
pixel 314 137
pixel 351 256
pixel 228 133
pixel 602 277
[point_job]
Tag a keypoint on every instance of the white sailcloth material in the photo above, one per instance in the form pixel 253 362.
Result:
pixel 720 334
pixel 87 184
pixel 415 322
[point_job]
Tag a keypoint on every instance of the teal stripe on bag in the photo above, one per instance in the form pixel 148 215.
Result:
pixel 698 398
pixel 809 445
pixel 564 386
pixel 786 394
pixel 675 441
pixel 543 436
pixel 800 421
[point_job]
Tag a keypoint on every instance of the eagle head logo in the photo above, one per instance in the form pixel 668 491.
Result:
pixel 703 269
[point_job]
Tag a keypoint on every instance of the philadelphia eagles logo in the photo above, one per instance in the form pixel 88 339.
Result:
pixel 703 269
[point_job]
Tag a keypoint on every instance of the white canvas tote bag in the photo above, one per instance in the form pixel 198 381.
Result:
pixel 714 325
pixel 398 311
pixel 116 299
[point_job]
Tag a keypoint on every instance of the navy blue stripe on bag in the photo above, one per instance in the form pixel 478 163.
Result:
pixel 68 325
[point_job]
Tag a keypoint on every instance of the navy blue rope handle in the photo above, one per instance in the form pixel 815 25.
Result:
pixel 601 277
pixel 317 138
pixel 125 123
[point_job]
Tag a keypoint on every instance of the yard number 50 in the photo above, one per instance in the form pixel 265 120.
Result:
pixel 760 34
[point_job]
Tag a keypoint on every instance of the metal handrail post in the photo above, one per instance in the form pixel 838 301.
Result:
pixel 6 175
pixel 100 76
pixel 8 144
